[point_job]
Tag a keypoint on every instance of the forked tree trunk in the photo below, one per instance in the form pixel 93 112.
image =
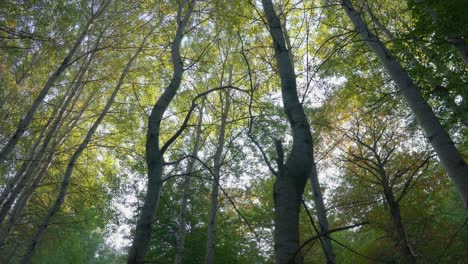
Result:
pixel 27 119
pixel 154 155
pixel 217 163
pixel 455 166
pixel 292 176
pixel 180 236
pixel 74 158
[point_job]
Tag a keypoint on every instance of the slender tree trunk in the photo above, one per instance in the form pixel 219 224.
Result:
pixel 27 119
pixel 217 163
pixel 73 159
pixel 53 124
pixel 456 167
pixel 321 216
pixel 25 195
pixel 180 236
pixel 25 174
pixel 154 155
pixel 292 176
pixel 25 189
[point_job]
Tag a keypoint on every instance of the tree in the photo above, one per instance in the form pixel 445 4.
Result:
pixel 154 154
pixel 27 119
pixel 455 165
pixel 293 173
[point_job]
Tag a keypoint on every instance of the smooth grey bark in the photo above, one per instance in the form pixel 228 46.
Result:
pixel 322 216
pixel 293 174
pixel 73 159
pixel 217 163
pixel 180 236
pixel 21 193
pixel 154 154
pixel 451 160
pixel 27 119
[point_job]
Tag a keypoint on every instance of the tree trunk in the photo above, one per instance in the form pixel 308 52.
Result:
pixel 292 176
pixel 217 163
pixel 321 216
pixel 25 195
pixel 27 119
pixel 399 233
pixel 154 155
pixel 460 45
pixel 440 140
pixel 73 159
pixel 180 236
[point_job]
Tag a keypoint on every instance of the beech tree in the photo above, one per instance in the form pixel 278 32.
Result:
pixel 186 131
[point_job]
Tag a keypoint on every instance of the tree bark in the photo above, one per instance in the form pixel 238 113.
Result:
pixel 454 164
pixel 27 119
pixel 321 216
pixel 399 233
pixel 154 155
pixel 217 163
pixel 292 176
pixel 180 236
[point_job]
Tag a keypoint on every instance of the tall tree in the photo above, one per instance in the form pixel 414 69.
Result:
pixel 154 153
pixel 293 173
pixel 71 163
pixel 453 162
pixel 180 236
pixel 217 164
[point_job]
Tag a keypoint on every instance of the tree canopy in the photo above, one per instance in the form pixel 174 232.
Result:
pixel 190 131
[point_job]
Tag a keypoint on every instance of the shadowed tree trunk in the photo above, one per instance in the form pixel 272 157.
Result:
pixel 180 236
pixel 293 174
pixel 455 166
pixel 154 154
pixel 460 45
pixel 398 228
